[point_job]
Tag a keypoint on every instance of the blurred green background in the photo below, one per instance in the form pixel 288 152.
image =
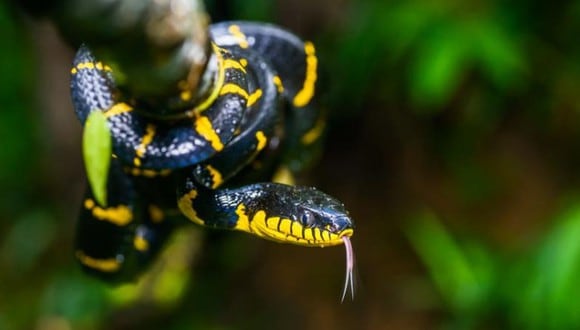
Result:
pixel 454 140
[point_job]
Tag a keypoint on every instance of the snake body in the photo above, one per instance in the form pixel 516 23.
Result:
pixel 208 157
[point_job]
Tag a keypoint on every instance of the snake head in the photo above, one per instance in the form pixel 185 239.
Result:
pixel 320 220
pixel 324 216
pixel 293 214
pixel 300 215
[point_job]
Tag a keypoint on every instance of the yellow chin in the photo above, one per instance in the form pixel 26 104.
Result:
pixel 285 230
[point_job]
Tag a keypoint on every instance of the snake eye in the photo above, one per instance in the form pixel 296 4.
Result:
pixel 307 218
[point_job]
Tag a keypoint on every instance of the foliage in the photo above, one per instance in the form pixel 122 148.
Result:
pixel 16 116
pixel 534 290
pixel 468 109
pixel 463 275
pixel 97 149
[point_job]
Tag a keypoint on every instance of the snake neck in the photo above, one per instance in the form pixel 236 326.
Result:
pixel 244 209
pixel 220 209
pixel 277 212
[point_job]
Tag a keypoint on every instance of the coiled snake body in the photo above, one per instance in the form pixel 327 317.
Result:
pixel 208 152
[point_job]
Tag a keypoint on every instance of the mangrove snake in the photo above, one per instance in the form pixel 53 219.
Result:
pixel 255 114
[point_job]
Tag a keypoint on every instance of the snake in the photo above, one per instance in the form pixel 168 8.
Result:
pixel 210 157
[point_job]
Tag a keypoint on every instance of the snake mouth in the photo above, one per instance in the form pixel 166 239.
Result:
pixel 290 231
pixel 346 233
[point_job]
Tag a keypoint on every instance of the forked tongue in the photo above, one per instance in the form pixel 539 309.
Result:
pixel 348 280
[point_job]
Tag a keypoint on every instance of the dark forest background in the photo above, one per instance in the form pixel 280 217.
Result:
pixel 453 139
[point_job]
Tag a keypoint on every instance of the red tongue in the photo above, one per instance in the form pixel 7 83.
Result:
pixel 348 280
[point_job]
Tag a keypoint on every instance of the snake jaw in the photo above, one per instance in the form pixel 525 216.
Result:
pixel 294 233
pixel 287 230
pixel 261 229
pixel 349 278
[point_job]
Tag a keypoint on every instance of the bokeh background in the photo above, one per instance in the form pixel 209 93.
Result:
pixel 453 139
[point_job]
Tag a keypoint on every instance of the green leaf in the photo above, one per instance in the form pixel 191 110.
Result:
pixel 448 265
pixel 498 54
pixel 438 67
pixel 97 149
pixel 400 25
pixel 557 271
